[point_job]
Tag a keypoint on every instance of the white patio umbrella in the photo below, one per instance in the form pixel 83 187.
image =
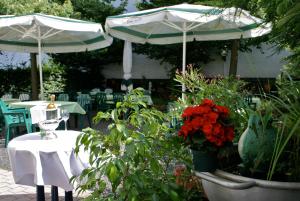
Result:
pixel 183 23
pixel 38 33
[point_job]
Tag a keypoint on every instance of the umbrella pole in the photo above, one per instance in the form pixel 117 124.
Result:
pixel 40 64
pixel 184 57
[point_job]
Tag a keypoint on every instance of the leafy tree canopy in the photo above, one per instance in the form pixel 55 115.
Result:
pixel 285 16
pixel 22 7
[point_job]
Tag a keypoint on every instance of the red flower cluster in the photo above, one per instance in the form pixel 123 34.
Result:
pixel 207 120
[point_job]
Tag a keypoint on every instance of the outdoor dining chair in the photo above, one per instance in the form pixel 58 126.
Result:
pixel 84 100
pixel 108 91
pixel 101 101
pixel 6 96
pixel 118 97
pixel 63 97
pixel 24 97
pixel 14 118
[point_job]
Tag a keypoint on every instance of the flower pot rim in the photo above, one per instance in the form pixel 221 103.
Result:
pixel 240 182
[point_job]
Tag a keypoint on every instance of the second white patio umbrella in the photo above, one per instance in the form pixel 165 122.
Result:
pixel 39 33
pixel 126 84
pixel 183 23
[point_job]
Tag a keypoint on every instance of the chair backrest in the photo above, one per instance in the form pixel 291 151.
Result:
pixel 118 97
pixel 63 97
pixel 19 116
pixel 108 90
pixel 96 90
pixel 24 97
pixel 6 97
pixel 84 100
pixel 101 97
pixel 3 106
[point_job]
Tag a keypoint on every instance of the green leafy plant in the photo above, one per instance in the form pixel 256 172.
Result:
pixel 286 154
pixel 135 157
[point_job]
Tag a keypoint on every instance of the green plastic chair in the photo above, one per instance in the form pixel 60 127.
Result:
pixel 15 118
pixel 24 97
pixel 63 97
pixel 118 97
pixel 84 100
pixel 101 101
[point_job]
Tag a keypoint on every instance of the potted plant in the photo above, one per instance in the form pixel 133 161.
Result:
pixel 280 180
pixel 206 128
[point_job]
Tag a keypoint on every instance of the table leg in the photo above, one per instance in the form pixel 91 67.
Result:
pixel 68 196
pixel 76 120
pixel 40 193
pixel 54 193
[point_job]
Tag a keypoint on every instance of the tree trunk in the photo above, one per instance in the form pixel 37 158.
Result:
pixel 34 77
pixel 234 57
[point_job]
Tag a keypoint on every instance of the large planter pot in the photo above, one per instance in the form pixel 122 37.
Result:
pixel 223 186
pixel 204 161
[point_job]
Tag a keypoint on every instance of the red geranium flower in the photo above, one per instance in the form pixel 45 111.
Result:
pixel 207 121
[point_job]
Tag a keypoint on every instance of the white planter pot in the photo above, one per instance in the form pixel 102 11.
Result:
pixel 223 186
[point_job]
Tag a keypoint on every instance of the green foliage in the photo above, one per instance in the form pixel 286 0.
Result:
pixel 198 52
pixel 14 80
pixel 136 155
pixel 90 9
pixel 22 7
pixel 54 78
pixel 284 16
pixel 226 91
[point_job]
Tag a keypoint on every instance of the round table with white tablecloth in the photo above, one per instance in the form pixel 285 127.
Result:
pixel 36 161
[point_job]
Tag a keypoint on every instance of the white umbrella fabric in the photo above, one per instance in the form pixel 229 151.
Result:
pixel 184 22
pixel 38 33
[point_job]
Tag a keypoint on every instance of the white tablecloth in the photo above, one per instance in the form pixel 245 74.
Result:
pixel 72 107
pixel 35 161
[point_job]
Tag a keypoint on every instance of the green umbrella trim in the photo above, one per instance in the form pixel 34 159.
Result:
pixel 52 17
pixel 168 35
pixel 28 44
pixel 194 10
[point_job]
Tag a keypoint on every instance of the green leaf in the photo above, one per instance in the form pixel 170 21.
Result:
pixel 174 196
pixel 113 173
pixel 114 115
pixel 120 127
pixel 155 197
pixel 118 104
